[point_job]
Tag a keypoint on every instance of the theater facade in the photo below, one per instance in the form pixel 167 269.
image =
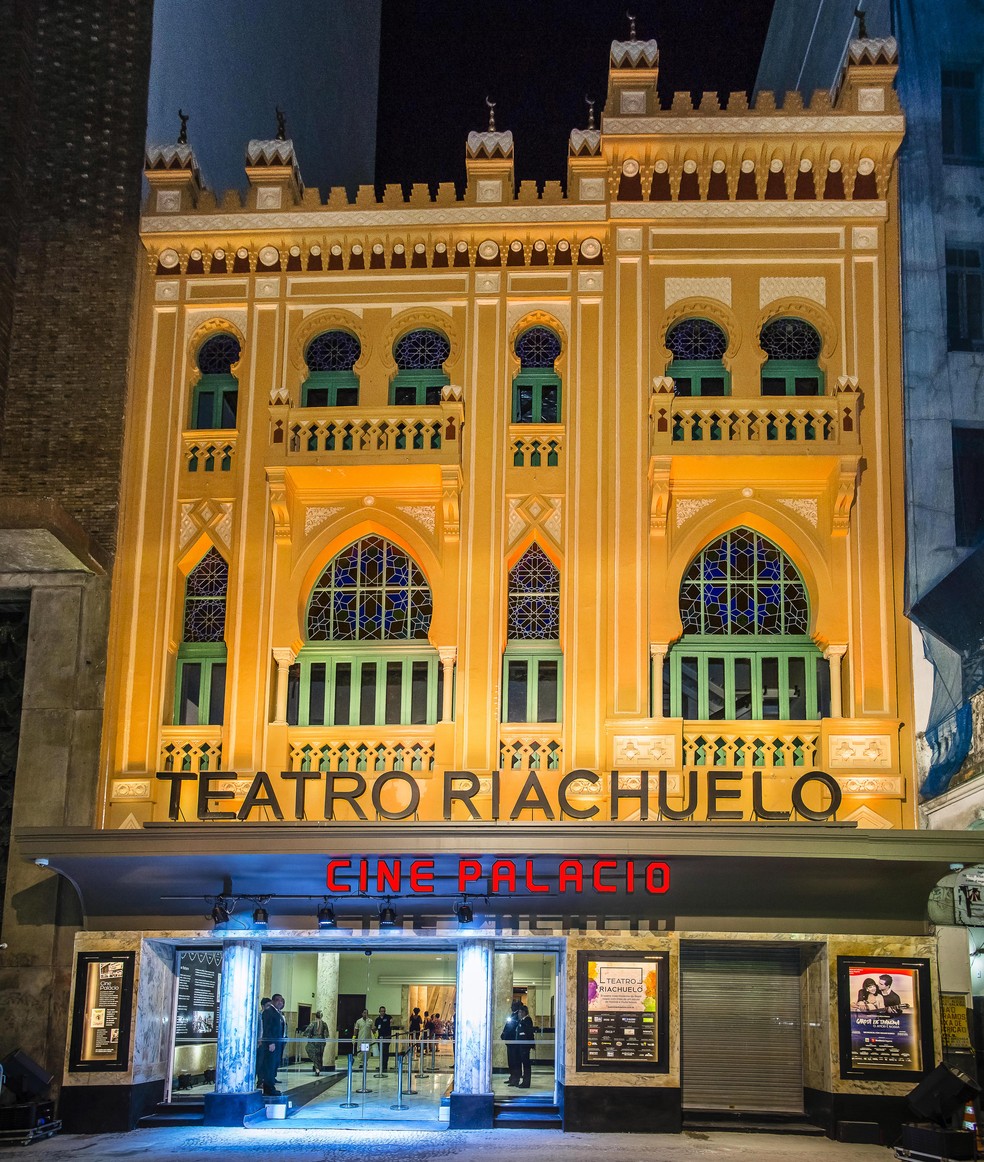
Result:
pixel 509 609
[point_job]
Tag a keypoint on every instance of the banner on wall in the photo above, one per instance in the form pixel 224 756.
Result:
pixel 885 1018
pixel 623 1011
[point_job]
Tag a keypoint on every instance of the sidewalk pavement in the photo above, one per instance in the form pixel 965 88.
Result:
pixel 317 1145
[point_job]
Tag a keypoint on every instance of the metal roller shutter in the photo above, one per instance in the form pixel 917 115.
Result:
pixel 741 1035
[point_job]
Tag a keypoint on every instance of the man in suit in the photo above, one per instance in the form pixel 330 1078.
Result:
pixel 273 1034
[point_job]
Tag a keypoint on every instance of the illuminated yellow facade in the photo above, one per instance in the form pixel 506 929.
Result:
pixel 733 216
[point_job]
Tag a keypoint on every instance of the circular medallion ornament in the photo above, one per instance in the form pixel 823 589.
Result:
pixel 242 252
pixel 515 246
pixel 219 255
pixel 590 248
pixel 690 166
pixel 357 248
pixel 315 251
pixel 776 165
pixel 661 166
pixel 718 166
pixel 336 250
pixel 539 246
pixel 441 247
pixel 295 252
pixel 630 167
pixel 377 248
pixel 489 249
pixel 196 255
pixel 398 248
pixel 419 248
pixel 805 165
pixel 462 246
pixel 747 166
pixel 269 255
pixel 834 165
pixel 563 245
pixel 168 259
pixel 866 166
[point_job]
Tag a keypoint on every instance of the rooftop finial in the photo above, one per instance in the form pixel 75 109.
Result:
pixel 862 24
pixel 491 105
pixel 183 135
pixel 281 124
pixel 589 101
pixel 632 23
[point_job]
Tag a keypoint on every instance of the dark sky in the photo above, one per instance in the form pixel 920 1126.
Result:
pixel 537 59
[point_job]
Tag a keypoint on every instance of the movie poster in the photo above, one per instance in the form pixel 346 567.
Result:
pixel 623 1011
pixel 885 1017
pixel 101 1011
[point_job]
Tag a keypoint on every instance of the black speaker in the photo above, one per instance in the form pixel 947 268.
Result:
pixel 23 1076
pixel 942 1094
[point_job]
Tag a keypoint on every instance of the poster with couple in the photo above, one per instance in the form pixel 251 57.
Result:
pixel 885 1017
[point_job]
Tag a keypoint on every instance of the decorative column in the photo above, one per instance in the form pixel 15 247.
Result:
pixel 284 659
pixel 448 654
pixel 657 655
pixel 472 1099
pixel 326 999
pixel 834 655
pixel 502 992
pixel 235 1093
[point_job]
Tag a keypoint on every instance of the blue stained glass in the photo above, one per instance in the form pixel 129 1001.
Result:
pixel 538 347
pixel 743 584
pixel 205 599
pixel 217 355
pixel 790 339
pixel 365 594
pixel 696 339
pixel 534 597
pixel 421 350
pixel 333 351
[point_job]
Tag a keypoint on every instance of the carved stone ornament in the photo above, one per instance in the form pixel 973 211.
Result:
pixel 423 514
pixel 677 289
pixel 644 750
pixel 213 517
pixel 868 820
pixel 882 786
pixel 771 289
pixel 851 750
pixel 686 507
pixel 131 789
pixel 803 506
pixel 318 515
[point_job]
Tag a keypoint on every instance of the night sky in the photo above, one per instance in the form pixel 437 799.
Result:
pixel 537 59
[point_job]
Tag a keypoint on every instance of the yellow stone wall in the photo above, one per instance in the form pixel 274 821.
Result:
pixel 622 514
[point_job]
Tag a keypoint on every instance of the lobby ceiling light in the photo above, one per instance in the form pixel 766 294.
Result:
pixel 326 916
pixel 387 917
pixel 260 917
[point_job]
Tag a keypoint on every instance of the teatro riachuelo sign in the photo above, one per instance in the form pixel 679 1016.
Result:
pixel 711 795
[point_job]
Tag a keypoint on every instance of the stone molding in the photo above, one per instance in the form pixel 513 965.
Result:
pixel 853 750
pixel 771 289
pixel 723 125
pixel 675 290
pixel 638 750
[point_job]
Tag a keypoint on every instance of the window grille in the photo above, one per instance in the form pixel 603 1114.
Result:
pixel 696 339
pixel 536 386
pixel 200 675
pixel 205 599
pixel 792 348
pixel 371 592
pixel 217 355
pixel 538 347
pixel 333 351
pixel 422 350
pixel 534 598
pixel 790 339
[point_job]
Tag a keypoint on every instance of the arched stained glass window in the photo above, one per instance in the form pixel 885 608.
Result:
pixel 792 347
pixel 698 347
pixel 696 339
pixel 532 662
pixel 421 350
pixel 333 351
pixel 199 696
pixel 331 382
pixel 371 592
pixel 420 357
pixel 536 387
pixel 216 393
pixel 745 652
pixel 205 599
pixel 534 597
pixel 743 584
pixel 538 347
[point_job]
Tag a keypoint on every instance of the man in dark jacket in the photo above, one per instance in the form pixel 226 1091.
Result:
pixel 384 1031
pixel 508 1034
pixel 273 1034
pixel 524 1035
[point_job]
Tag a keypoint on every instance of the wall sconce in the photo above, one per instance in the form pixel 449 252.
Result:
pixel 387 917
pixel 326 916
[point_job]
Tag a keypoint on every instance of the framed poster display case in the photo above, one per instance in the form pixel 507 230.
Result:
pixel 885 1018
pixel 101 1011
pixel 623 1011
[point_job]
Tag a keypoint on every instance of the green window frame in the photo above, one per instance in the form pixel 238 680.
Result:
pixel 417 388
pixel 700 377
pixel 536 397
pixel 709 678
pixel 384 686
pixel 215 402
pixel 199 685
pixel 792 377
pixel 792 347
pixel 532 683
pixel 333 389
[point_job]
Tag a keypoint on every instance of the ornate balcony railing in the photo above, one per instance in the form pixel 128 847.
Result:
pixel 191 748
pixel 208 451
pixel 521 750
pixel 762 424
pixel 425 434
pixel 761 745
pixel 368 751
pixel 536 445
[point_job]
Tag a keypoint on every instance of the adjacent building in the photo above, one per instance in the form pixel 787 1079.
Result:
pixel 514 581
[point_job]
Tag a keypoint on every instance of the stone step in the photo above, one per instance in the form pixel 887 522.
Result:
pixel 751 1125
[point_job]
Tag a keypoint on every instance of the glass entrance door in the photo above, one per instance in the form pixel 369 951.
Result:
pixel 383 1047
pixel 525 1020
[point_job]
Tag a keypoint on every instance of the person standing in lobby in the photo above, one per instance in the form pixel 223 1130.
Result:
pixel 273 1034
pixel 384 1031
pixel 524 1035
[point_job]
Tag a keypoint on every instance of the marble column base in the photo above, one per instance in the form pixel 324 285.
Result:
pixel 472 1111
pixel 230 1109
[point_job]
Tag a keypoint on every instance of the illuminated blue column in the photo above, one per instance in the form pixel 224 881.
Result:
pixel 235 1093
pixel 472 1100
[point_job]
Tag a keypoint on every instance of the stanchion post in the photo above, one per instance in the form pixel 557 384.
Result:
pixel 365 1073
pixel 400 1104
pixel 348 1103
pixel 410 1089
